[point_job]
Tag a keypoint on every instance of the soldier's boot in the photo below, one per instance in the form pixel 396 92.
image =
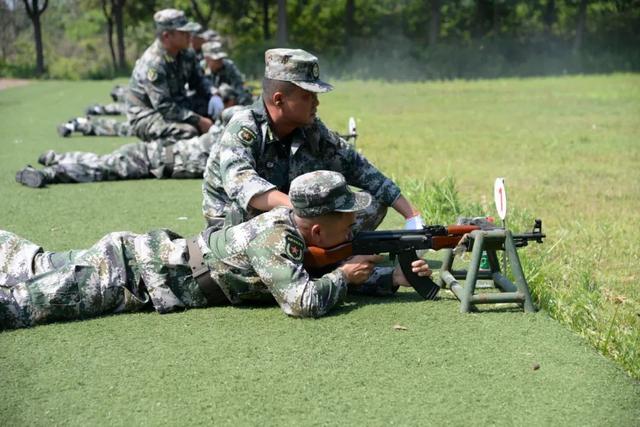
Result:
pixel 66 129
pixel 47 158
pixel 32 177
pixel 95 110
pixel 84 125
pixel 10 310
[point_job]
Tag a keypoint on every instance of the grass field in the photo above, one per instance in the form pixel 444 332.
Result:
pixel 568 148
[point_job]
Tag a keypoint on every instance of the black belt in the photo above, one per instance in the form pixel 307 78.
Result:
pixel 200 272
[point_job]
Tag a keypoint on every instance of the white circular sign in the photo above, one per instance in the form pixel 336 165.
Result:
pixel 500 197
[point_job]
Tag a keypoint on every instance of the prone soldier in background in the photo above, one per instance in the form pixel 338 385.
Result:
pixel 163 158
pixel 115 108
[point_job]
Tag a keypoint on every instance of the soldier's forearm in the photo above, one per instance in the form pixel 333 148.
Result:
pixel 269 200
pixel 405 208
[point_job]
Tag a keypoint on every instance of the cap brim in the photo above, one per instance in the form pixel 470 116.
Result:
pixel 218 56
pixel 317 86
pixel 190 27
pixel 360 200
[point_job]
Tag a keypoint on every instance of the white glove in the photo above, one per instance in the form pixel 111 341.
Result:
pixel 215 106
pixel 414 223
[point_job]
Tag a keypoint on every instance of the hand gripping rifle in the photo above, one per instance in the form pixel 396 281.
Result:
pixel 404 244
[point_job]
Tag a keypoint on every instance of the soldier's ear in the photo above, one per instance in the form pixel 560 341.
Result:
pixel 277 98
pixel 315 234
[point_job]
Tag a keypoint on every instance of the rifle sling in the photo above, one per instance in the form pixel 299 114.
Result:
pixel 200 272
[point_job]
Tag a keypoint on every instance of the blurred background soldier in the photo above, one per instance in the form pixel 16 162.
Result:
pixel 220 69
pixel 117 107
pixel 95 126
pixel 165 158
pixel 98 126
pixel 157 102
pixel 200 38
pixel 222 98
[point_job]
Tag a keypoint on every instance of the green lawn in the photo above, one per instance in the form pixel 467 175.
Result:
pixel 568 148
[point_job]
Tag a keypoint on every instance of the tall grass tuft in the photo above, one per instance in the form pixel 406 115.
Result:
pixel 562 277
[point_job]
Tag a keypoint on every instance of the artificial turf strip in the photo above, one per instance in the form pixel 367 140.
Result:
pixel 255 366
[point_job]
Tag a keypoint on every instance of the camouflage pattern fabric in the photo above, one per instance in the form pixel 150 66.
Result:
pixel 249 160
pixel 100 126
pixel 157 101
pixel 111 109
pixel 133 161
pixel 296 66
pixel 174 19
pixel 230 75
pixel 260 260
pixel 115 108
pixel 118 94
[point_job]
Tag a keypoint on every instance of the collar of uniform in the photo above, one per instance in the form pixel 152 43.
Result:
pixel 260 113
pixel 297 138
pixel 162 52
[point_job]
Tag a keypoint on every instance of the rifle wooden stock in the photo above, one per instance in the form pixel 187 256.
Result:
pixel 316 258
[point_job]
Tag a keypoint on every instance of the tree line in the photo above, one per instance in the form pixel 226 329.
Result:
pixel 393 39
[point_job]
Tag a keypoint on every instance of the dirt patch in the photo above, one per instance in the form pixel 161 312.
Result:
pixel 7 83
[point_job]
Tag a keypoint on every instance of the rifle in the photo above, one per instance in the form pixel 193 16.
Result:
pixel 404 244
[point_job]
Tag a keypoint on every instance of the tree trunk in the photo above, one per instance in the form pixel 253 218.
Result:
pixel 549 17
pixel 34 11
pixel 482 18
pixel 582 18
pixel 203 19
pixel 118 17
pixel 283 34
pixel 265 20
pixel 37 32
pixel 434 22
pixel 107 15
pixel 349 25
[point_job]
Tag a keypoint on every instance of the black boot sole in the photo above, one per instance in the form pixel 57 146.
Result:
pixel 31 178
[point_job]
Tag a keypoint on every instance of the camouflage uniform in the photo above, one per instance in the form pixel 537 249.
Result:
pixel 259 260
pixel 117 107
pixel 101 126
pixel 157 159
pixel 250 160
pixel 157 100
pixel 230 75
pixel 111 109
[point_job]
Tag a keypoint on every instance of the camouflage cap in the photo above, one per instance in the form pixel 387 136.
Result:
pixel 174 19
pixel 208 35
pixel 296 66
pixel 213 50
pixel 321 192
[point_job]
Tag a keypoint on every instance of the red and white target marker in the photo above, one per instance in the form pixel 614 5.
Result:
pixel 500 197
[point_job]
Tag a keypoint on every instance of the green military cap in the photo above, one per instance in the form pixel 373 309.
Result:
pixel 213 50
pixel 296 66
pixel 321 192
pixel 174 19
